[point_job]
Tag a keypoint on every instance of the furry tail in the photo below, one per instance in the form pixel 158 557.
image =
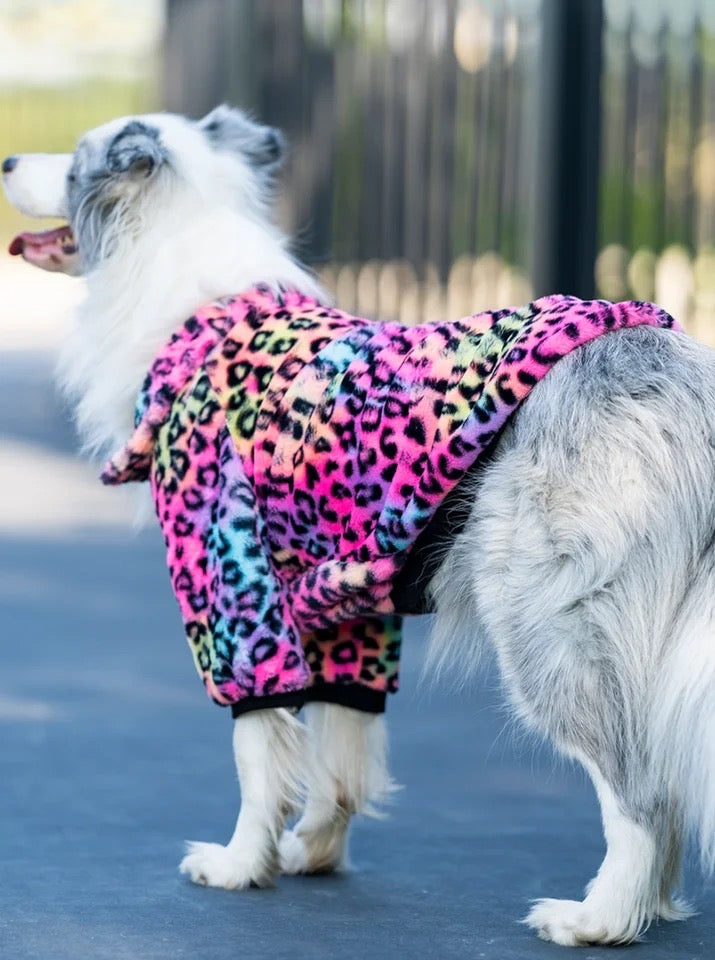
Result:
pixel 456 637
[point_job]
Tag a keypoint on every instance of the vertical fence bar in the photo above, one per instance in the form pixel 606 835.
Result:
pixel 568 147
pixel 209 55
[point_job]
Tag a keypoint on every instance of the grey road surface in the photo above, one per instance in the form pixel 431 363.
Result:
pixel 111 756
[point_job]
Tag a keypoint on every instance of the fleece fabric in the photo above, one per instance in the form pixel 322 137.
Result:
pixel 296 455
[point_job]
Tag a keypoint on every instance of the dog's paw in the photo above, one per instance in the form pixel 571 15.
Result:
pixel 315 851
pixel 213 865
pixel 293 854
pixel 575 923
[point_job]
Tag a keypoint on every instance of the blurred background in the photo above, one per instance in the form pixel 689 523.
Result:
pixel 447 155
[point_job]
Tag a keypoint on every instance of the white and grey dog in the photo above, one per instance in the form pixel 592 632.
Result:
pixel 588 561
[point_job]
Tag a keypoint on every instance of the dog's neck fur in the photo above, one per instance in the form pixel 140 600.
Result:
pixel 165 270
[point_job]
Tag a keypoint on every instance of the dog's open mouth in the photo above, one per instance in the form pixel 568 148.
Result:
pixel 51 249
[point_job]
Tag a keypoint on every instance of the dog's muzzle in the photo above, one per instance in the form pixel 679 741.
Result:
pixel 35 184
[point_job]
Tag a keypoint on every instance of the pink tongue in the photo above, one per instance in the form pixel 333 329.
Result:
pixel 38 241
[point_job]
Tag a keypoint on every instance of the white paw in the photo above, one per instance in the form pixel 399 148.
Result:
pixel 293 855
pixel 575 923
pixel 213 865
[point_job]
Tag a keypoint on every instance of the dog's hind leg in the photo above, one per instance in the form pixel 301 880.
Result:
pixel 589 563
pixel 346 773
pixel 671 907
pixel 628 892
pixel 568 679
pixel 268 751
pixel 576 672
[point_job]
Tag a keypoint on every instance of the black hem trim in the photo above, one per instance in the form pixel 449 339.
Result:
pixel 295 698
pixel 353 695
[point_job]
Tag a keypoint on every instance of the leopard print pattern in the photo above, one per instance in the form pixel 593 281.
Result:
pixel 296 453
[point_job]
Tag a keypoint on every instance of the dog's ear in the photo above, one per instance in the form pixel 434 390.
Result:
pixel 229 129
pixel 135 151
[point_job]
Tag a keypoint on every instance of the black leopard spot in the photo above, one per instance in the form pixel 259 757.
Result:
pixel 263 650
pixel 182 527
pixel 207 476
pixel 179 463
pixel 344 652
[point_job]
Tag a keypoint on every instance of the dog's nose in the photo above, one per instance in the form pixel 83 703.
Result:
pixel 9 164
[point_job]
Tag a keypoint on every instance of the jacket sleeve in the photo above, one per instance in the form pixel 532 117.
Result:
pixel 257 646
pixel 238 623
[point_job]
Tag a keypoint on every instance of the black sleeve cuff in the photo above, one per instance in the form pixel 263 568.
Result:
pixel 353 695
pixel 294 699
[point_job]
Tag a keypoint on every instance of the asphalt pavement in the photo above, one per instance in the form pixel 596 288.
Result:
pixel 112 756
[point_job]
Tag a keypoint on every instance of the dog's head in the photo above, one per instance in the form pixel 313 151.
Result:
pixel 120 172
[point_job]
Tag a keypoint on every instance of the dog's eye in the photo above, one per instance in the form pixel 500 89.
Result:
pixel 71 178
pixel 213 126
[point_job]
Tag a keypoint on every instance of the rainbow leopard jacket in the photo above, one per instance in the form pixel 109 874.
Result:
pixel 297 455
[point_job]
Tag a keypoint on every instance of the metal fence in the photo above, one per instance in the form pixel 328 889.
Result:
pixel 407 121
pixel 657 186
pixel 446 153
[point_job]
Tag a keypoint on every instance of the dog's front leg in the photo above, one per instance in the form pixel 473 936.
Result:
pixel 267 747
pixel 346 773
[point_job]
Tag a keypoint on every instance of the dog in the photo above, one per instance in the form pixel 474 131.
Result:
pixel 585 560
